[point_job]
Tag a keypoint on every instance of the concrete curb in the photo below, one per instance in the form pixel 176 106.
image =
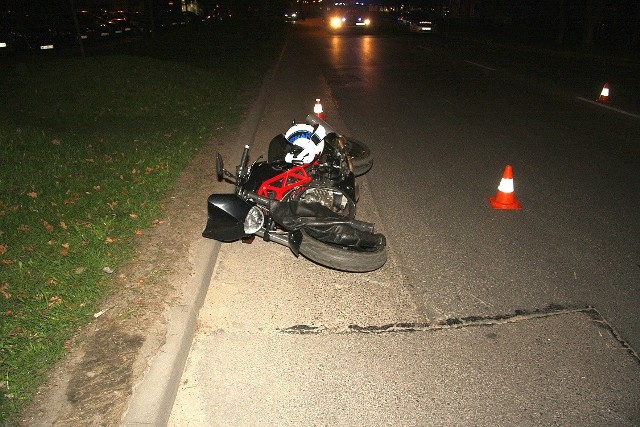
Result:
pixel 153 397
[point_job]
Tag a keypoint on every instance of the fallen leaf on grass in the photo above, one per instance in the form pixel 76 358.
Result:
pixel 65 249
pixel 16 332
pixel 47 226
pixel 54 300
pixel 71 200
pixel 137 232
pixel 3 290
pixel 3 249
pixel 56 142
pixel 32 194
pixel 110 240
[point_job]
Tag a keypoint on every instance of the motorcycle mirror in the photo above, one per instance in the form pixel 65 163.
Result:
pixel 219 167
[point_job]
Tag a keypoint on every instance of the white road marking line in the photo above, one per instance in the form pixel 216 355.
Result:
pixel 617 110
pixel 480 65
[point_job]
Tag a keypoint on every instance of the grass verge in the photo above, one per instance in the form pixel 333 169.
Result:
pixel 88 148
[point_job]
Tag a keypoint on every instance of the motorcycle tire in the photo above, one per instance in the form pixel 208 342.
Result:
pixel 342 258
pixel 360 154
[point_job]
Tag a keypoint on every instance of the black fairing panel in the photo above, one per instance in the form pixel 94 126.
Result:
pixel 325 225
pixel 262 171
pixel 226 214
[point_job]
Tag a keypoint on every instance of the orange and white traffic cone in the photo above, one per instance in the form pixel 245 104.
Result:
pixel 604 95
pixel 505 198
pixel 317 110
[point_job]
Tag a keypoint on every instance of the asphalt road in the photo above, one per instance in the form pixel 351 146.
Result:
pixel 444 116
pixel 478 317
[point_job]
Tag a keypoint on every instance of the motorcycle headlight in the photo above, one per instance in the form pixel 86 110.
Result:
pixel 254 220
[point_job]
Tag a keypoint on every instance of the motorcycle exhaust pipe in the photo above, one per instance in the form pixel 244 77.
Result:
pixel 291 240
pixel 281 239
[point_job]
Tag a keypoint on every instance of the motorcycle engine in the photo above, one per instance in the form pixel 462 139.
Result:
pixel 331 198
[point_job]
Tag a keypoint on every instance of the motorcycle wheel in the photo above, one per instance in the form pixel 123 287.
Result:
pixel 360 154
pixel 342 258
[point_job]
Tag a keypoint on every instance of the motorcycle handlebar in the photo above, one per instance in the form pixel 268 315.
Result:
pixel 260 200
pixel 245 159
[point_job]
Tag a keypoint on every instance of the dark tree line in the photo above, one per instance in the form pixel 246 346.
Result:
pixel 567 22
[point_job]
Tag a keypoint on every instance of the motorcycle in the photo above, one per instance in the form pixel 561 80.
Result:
pixel 303 197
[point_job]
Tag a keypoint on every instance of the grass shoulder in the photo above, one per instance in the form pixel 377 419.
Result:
pixel 88 149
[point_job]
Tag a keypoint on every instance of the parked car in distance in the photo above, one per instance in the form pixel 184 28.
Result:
pixel 169 19
pixel 91 28
pixel 30 33
pixel 293 16
pixel 119 23
pixel 419 21
pixel 139 21
pixel 8 41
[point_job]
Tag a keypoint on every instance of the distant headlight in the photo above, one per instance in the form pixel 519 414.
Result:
pixel 367 21
pixel 336 22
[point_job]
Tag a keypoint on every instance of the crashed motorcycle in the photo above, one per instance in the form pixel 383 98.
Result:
pixel 303 197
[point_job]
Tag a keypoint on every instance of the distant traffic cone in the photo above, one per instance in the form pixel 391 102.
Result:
pixel 505 198
pixel 604 95
pixel 317 110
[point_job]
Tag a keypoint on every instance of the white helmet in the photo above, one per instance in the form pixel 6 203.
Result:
pixel 309 140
